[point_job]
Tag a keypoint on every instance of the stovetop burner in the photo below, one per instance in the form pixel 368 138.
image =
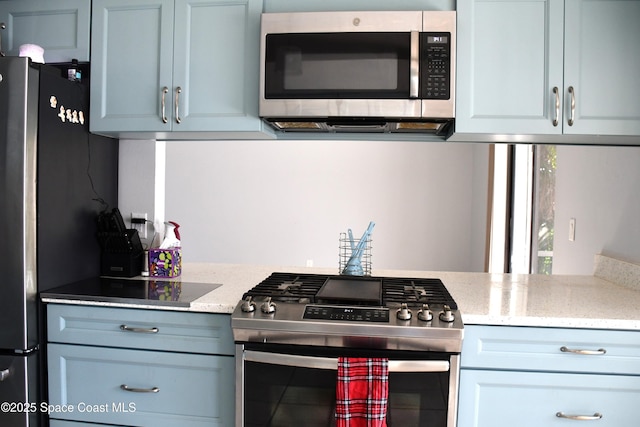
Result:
pixel 352 290
pixel 392 313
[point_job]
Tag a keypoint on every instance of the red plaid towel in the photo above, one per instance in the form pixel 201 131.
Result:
pixel 361 392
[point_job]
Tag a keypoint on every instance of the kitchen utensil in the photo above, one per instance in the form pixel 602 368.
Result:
pixel 354 264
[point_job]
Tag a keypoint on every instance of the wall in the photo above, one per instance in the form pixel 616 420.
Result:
pixel 285 202
pixel 598 186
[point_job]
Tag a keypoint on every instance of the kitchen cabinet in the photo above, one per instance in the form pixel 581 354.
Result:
pixel 548 67
pixel 530 376
pixel 61 27
pixel 167 68
pixel 136 367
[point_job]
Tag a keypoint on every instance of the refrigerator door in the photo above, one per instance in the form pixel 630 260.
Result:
pixel 18 133
pixel 17 388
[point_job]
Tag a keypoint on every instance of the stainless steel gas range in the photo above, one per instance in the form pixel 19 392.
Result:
pixel 291 329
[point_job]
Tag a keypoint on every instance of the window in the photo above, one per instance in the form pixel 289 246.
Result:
pixel 522 208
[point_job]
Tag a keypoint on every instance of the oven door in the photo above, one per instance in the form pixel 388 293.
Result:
pixel 282 386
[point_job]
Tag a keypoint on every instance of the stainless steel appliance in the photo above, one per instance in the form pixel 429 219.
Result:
pixel 291 328
pixel 51 174
pixel 359 71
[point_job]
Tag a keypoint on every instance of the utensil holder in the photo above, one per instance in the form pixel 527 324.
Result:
pixel 345 254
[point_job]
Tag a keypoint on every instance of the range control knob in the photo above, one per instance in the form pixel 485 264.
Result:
pixel 446 315
pixel 425 314
pixel 403 312
pixel 248 306
pixel 268 307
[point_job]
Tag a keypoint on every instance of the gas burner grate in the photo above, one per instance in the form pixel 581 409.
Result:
pixel 304 288
pixel 288 287
pixel 416 291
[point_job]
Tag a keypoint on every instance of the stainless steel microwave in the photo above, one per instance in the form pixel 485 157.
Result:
pixel 358 71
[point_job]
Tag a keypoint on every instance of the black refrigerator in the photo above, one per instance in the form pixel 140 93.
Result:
pixel 55 178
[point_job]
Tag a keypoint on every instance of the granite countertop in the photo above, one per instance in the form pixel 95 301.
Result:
pixel 483 298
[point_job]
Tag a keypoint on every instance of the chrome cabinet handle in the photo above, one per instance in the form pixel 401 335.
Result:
pixel 595 416
pixel 139 390
pixel 414 65
pixel 573 105
pixel 4 374
pixel 178 92
pixel 139 330
pixel 2 27
pixel 165 90
pixel 557 93
pixel 597 352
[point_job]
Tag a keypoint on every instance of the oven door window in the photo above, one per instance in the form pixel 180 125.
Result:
pixel 337 66
pixel 284 396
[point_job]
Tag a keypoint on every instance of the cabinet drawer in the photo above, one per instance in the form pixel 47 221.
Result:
pixel 531 399
pixel 190 389
pixel 141 329
pixel 64 423
pixel 549 349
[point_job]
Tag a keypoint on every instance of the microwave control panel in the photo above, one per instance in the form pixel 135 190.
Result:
pixel 435 52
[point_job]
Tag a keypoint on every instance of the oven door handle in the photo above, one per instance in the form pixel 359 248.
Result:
pixel 332 363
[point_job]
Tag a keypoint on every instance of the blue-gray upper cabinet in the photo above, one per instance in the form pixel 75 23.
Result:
pixel 61 27
pixel 548 67
pixel 168 66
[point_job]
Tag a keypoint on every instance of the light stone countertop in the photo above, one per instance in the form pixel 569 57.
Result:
pixel 482 298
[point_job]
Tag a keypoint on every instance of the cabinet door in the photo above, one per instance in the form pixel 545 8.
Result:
pixel 131 57
pixel 216 59
pixel 534 399
pixel 509 56
pixel 602 64
pixel 61 27
pixel 140 388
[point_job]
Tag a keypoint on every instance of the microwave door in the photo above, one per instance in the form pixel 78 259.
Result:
pixel 341 75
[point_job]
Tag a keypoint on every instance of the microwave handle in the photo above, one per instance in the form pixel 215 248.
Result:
pixel 414 65
pixel 330 363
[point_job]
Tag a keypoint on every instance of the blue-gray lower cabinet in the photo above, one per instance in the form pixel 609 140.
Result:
pixel 151 376
pixel 534 399
pixel 527 376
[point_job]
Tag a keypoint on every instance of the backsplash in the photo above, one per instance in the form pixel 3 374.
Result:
pixel 617 271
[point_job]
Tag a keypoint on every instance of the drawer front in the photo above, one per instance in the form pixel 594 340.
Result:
pixel 189 389
pixel 64 423
pixel 551 349
pixel 530 399
pixel 141 329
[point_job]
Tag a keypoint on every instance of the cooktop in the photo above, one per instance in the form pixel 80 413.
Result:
pixel 150 291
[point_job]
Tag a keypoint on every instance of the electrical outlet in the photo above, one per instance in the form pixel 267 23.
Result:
pixel 139 222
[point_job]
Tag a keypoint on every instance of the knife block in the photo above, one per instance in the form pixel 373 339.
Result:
pixel 121 254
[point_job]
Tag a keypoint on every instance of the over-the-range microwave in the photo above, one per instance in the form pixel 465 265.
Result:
pixel 359 71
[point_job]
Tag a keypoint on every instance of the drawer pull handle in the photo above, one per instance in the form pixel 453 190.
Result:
pixel 139 390
pixel 595 416
pixel 4 374
pixel 597 352
pixel 139 330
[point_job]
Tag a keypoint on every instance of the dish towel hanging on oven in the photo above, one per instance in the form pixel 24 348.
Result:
pixel 361 392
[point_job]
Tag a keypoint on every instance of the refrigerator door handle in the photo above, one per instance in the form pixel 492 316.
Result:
pixel 4 374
